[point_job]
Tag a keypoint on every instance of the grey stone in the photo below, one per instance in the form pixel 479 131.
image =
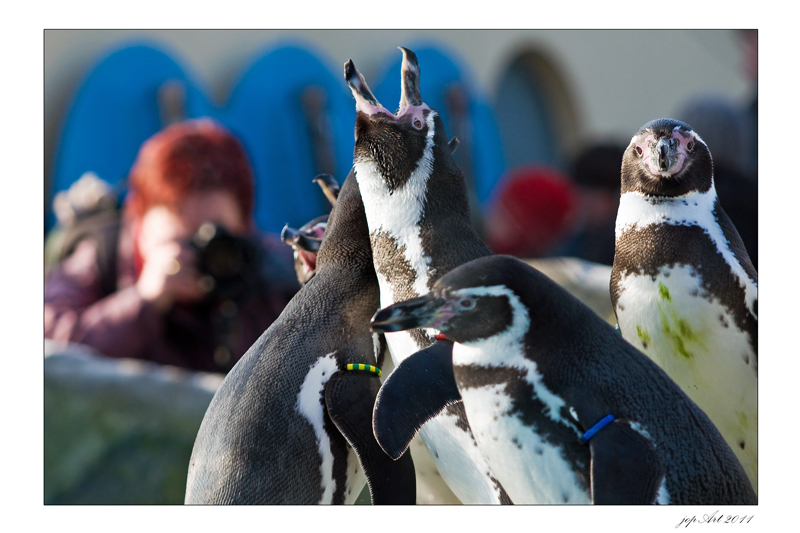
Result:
pixel 118 431
pixel 587 281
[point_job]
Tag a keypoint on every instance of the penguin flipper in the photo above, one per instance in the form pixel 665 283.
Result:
pixel 349 398
pixel 626 469
pixel 417 390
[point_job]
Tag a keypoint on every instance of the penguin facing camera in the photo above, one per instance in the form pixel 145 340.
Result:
pixel 292 422
pixel 563 408
pixel 683 287
pixel 417 209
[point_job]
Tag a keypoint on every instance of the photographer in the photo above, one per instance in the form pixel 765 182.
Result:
pixel 189 208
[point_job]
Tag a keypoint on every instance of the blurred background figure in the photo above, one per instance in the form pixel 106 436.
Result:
pixel 596 173
pixel 179 276
pixel 532 211
pixel 748 40
pixel 730 129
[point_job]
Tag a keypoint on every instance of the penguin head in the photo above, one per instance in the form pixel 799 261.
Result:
pixel 399 143
pixel 667 157
pixel 473 302
pixel 305 243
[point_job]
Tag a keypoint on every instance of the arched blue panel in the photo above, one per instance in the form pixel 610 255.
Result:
pixel 266 112
pixel 114 111
pixel 482 156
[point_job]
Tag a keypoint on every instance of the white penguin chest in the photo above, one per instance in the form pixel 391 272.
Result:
pixel 531 469
pixel 687 330
pixel 679 324
pixel 697 343
pixel 638 212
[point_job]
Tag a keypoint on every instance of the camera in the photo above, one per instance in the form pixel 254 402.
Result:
pixel 228 264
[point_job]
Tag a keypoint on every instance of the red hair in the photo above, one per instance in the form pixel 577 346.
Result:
pixel 190 156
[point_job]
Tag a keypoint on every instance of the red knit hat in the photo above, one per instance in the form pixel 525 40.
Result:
pixel 532 210
pixel 194 155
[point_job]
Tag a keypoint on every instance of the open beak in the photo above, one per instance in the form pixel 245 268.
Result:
pixel 329 186
pixel 425 311
pixel 300 239
pixel 409 84
pixel 365 100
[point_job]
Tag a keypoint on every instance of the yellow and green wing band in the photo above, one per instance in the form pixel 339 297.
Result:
pixel 360 366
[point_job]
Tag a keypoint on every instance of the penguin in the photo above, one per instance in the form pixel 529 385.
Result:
pixel 418 214
pixel 683 287
pixel 306 241
pixel 564 409
pixel 292 421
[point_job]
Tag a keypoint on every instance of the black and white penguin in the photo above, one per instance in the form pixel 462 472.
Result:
pixel 305 242
pixel 417 209
pixel 563 408
pixel 291 424
pixel 682 285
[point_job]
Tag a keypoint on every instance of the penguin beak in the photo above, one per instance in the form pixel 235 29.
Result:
pixel 425 311
pixel 410 97
pixel 409 84
pixel 365 100
pixel 330 187
pixel 300 240
pixel 663 155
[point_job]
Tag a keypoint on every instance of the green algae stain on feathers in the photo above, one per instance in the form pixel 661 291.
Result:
pixel 742 418
pixel 644 337
pixel 678 330
pixel 663 292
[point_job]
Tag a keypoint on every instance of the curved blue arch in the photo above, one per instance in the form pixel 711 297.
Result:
pixel 113 112
pixel 266 113
pixel 440 71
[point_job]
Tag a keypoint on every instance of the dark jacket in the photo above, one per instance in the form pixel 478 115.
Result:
pixel 209 336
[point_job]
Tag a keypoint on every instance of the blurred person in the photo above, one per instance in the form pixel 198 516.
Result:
pixel 748 40
pixel 596 172
pixel 138 284
pixel 723 127
pixel 532 210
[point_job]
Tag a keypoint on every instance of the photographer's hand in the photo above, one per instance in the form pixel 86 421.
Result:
pixel 169 275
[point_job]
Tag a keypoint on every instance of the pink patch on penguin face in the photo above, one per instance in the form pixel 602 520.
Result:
pixel 679 145
pixel 417 115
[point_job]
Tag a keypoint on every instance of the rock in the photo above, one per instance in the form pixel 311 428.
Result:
pixel 118 431
pixel 587 281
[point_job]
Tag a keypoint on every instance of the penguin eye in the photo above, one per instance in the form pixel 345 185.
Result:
pixel 417 123
pixel 638 150
pixel 466 303
pixel 690 146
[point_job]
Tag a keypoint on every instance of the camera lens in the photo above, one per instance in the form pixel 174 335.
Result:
pixel 229 261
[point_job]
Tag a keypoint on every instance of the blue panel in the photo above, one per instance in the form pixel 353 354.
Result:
pixel 114 111
pixel 482 155
pixel 266 113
